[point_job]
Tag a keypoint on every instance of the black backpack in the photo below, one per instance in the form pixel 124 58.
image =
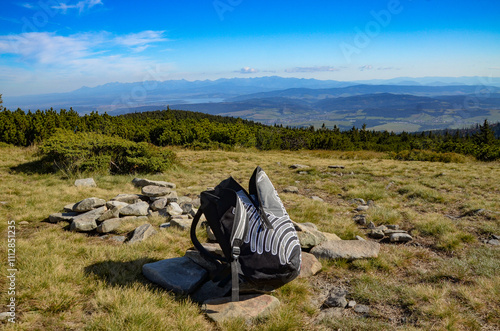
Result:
pixel 255 233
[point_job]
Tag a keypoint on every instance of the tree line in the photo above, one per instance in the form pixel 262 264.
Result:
pixel 198 130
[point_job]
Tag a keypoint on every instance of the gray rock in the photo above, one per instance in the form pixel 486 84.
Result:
pixel 136 209
pixel 376 234
pixel 142 233
pixel 140 182
pixel 180 275
pixel 360 219
pixel 392 226
pixel 173 209
pixel 89 204
pixel 158 204
pixel 180 222
pixel 400 237
pixel 362 309
pixel 360 238
pixel 336 298
pixel 128 198
pixel 210 234
pixel 388 232
pixel 299 166
pixel 155 191
pixel 336 167
pixel 310 265
pixel 110 213
pixel 210 290
pixel 315 198
pixel 87 221
pixel 310 238
pixel 69 208
pixel 249 307
pixel 304 226
pixel 291 189
pixel 351 304
pixel 346 249
pixel 62 217
pixel 196 203
pixel 118 239
pixel 371 225
pixel 85 182
pixel 362 208
pixel 109 225
pixel 186 207
pixel 118 204
pixel 494 242
pixel 184 199
pixel 24 223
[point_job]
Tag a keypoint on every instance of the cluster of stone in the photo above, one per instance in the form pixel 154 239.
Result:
pixel 157 198
pixel 390 232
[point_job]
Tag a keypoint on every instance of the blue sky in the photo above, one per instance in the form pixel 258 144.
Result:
pixel 60 45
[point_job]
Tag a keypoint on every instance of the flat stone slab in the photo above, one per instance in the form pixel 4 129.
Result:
pixel 180 275
pixel 291 189
pixel 249 307
pixel 142 233
pixel 346 249
pixel 128 198
pixel 400 237
pixel 89 204
pixel 210 290
pixel 155 191
pixel 181 223
pixel 141 182
pixel 310 265
pixel 60 217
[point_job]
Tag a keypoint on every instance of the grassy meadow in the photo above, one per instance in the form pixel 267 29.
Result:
pixel 447 278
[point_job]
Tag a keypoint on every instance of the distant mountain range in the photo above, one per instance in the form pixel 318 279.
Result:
pixel 410 104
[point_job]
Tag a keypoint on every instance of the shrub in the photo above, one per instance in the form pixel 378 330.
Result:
pixel 91 152
pixel 423 155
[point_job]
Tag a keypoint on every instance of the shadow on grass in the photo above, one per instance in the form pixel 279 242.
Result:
pixel 119 273
pixel 33 167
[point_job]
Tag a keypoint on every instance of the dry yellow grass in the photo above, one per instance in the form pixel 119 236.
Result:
pixel 447 278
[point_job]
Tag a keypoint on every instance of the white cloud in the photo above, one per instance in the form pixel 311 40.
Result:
pixel 366 67
pixel 44 60
pixel 82 5
pixel 248 70
pixel 312 69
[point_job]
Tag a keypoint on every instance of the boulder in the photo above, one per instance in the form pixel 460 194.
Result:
pixel 87 221
pixel 69 207
pixel 400 237
pixel 249 307
pixel 85 182
pixel 360 219
pixel 180 275
pixel 140 182
pixel 136 209
pixel 60 217
pixel 110 213
pixel 89 204
pixel 109 225
pixel 308 237
pixel 158 204
pixel 310 265
pixel 142 233
pixel 376 234
pixel 362 208
pixel 187 208
pixel 346 249
pixel 173 209
pixel 336 298
pixel 155 191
